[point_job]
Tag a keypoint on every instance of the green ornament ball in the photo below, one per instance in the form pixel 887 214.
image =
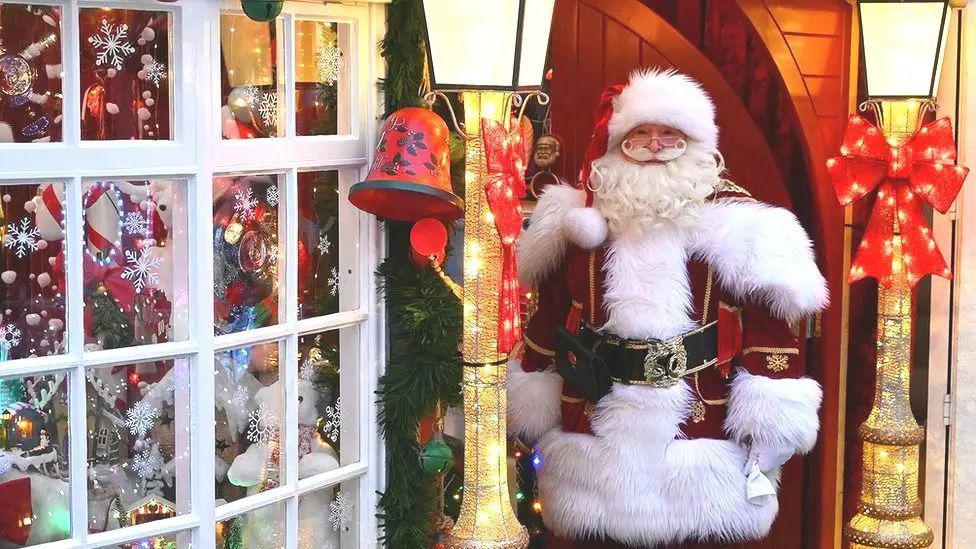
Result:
pixel 436 457
pixel 262 10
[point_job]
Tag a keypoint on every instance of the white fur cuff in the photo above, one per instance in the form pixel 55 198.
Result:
pixel 543 245
pixel 585 227
pixel 778 412
pixel 533 401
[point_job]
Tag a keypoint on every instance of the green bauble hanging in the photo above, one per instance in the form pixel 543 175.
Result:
pixel 436 457
pixel 262 10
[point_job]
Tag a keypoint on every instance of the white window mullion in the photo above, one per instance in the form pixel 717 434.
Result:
pixel 71 81
pixel 288 58
pixel 289 369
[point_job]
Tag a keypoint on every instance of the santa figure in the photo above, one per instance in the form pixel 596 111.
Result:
pixel 660 381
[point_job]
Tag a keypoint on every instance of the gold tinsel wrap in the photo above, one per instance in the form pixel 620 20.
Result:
pixel 487 519
pixel 889 512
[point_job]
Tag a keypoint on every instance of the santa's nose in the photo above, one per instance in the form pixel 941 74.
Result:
pixel 655 146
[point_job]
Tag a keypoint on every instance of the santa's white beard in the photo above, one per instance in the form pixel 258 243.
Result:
pixel 636 198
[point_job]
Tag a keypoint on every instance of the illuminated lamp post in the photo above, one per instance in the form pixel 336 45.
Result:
pixel 903 44
pixel 487 51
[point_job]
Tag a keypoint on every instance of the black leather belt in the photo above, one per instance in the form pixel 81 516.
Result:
pixel 659 363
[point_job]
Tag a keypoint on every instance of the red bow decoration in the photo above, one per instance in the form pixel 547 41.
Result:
pixel 923 169
pixel 505 161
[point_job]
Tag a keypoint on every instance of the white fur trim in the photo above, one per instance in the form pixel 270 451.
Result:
pixel 634 482
pixel 762 252
pixel 543 245
pixel 664 97
pixel 533 401
pixel 775 412
pixel 585 227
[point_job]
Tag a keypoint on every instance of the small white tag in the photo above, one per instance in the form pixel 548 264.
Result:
pixel 759 489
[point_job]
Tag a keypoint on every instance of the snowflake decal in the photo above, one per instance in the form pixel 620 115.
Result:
pixel 240 397
pixel 155 71
pixel 328 63
pixel 341 511
pixel 5 463
pixel 308 370
pixel 245 204
pixel 140 418
pixel 334 282
pixel 250 95
pixel 111 44
pixel 9 336
pixel 142 268
pixel 333 420
pixel 271 195
pixel 145 464
pixel 324 244
pixel 22 238
pixel 268 108
pixel 262 425
pixel 136 223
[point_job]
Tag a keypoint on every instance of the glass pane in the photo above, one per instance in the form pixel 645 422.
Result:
pixel 138 443
pixel 135 263
pixel 328 246
pixel 321 78
pixel 125 74
pixel 329 517
pixel 327 401
pixel 262 528
pixel 246 254
pixel 178 540
pixel 249 403
pixel 30 73
pixel 34 459
pixel 250 88
pixel 32 306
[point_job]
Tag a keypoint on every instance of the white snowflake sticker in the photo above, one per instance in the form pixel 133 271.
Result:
pixel 136 223
pixel 140 418
pixel 9 336
pixel 333 420
pixel 111 44
pixel 145 464
pixel 328 63
pixel 250 95
pixel 334 282
pixel 240 397
pixel 21 238
pixel 308 370
pixel 341 511
pixel 245 204
pixel 155 71
pixel 268 108
pixel 271 195
pixel 262 425
pixel 141 268
pixel 324 244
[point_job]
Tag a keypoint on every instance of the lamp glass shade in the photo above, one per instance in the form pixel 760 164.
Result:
pixel 903 43
pixel 487 44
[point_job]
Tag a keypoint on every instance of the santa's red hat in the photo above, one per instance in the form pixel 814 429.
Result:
pixel 651 96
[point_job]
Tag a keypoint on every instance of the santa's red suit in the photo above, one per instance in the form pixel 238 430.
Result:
pixel 681 456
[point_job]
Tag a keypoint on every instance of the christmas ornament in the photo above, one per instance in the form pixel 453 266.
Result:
pixel 233 233
pixel 262 10
pixel 428 240
pixel 410 177
pixel 436 457
pixel 905 174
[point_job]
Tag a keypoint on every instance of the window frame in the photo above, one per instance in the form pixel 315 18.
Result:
pixel 196 154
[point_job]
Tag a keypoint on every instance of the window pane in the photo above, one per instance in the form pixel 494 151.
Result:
pixel 138 443
pixel 34 458
pixel 178 540
pixel 125 69
pixel 262 528
pixel 321 78
pixel 249 84
pixel 249 412
pixel 30 73
pixel 32 275
pixel 328 247
pixel 135 262
pixel 329 517
pixel 246 255
pixel 327 400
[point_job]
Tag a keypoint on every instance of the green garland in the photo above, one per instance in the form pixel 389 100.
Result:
pixel 424 324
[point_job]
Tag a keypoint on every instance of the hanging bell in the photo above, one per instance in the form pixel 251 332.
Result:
pixel 410 178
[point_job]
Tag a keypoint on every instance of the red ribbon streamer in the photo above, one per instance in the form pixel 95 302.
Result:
pixel 922 169
pixel 505 160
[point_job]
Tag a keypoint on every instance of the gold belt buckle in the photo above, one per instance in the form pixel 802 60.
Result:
pixel 667 374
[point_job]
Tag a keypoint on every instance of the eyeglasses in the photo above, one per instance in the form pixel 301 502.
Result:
pixel 657 143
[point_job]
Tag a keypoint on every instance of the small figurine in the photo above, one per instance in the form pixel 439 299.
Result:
pixel 544 156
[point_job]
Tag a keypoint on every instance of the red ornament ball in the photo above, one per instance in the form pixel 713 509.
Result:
pixel 235 293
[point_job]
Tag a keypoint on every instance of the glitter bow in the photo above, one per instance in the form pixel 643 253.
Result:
pixel 505 159
pixel 923 168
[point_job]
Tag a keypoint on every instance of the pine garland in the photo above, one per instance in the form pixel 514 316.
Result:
pixel 424 323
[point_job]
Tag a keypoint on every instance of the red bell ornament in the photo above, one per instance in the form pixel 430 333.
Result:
pixel 410 178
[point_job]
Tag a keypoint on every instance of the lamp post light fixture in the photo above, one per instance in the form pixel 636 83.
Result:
pixel 903 44
pixel 487 51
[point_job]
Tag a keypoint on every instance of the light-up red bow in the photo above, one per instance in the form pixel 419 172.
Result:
pixel 922 169
pixel 505 159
